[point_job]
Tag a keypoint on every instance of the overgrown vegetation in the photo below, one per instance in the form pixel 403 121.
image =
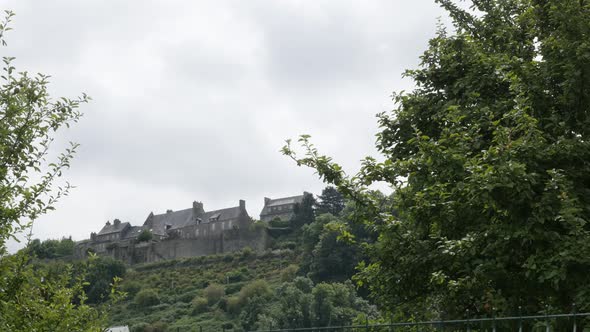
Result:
pixel 239 291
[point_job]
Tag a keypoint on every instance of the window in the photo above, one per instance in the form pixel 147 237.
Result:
pixel 213 226
pixel 197 232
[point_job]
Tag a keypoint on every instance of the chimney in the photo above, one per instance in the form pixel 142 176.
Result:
pixel 108 223
pixel 242 205
pixel 198 208
pixel 168 211
pixel 116 222
pixel 266 200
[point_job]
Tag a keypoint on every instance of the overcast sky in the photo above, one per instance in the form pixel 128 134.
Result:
pixel 192 100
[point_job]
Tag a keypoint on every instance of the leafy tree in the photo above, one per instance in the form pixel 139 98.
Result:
pixel 145 236
pixel 488 159
pixel 330 201
pixel 300 304
pixel 304 211
pixel 29 117
pixel 333 258
pixel 38 297
pixel 100 277
pixel 51 249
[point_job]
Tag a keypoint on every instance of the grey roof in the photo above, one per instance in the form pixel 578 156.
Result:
pixel 182 218
pixel 174 219
pixel 112 228
pixel 133 232
pixel 221 215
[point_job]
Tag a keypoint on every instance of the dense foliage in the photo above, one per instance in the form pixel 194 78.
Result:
pixel 303 212
pixel 51 249
pixel 330 201
pixel 488 159
pixel 212 292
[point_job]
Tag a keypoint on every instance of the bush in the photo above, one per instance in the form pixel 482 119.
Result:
pixel 140 327
pixel 199 305
pixel 131 288
pixel 185 297
pixel 247 252
pixel 213 293
pixel 145 236
pixel 278 223
pixel 237 275
pixel 289 273
pixel 287 245
pixel 257 288
pixel 146 298
pixel 233 288
pixel 157 327
pixel 233 305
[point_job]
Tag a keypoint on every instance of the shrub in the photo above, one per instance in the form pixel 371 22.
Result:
pixel 233 288
pixel 213 293
pixel 157 327
pixel 233 305
pixel 145 236
pixel 247 252
pixel 140 327
pixel 131 288
pixel 289 273
pixel 237 275
pixel 287 245
pixel 146 298
pixel 278 223
pixel 257 288
pixel 185 297
pixel 199 305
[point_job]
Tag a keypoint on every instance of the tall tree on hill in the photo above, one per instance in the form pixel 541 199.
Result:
pixel 330 201
pixel 304 211
pixel 489 158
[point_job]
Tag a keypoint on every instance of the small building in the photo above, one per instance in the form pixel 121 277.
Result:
pixel 280 208
pixel 113 232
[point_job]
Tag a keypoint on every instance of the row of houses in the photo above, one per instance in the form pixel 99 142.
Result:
pixel 188 232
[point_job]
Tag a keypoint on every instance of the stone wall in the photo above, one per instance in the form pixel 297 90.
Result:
pixel 214 242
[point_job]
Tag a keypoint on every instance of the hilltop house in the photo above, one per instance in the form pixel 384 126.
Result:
pixel 183 233
pixel 280 208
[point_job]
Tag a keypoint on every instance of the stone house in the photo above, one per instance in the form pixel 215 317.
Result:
pixel 280 208
pixel 184 233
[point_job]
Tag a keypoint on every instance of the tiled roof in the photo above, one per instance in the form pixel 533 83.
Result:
pixel 221 215
pixel 182 218
pixel 173 219
pixel 133 232
pixel 113 228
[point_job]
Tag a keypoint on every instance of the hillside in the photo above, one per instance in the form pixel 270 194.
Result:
pixel 237 291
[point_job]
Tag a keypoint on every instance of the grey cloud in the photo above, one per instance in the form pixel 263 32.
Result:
pixel 193 100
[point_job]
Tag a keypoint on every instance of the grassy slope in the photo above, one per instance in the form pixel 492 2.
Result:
pixel 178 282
